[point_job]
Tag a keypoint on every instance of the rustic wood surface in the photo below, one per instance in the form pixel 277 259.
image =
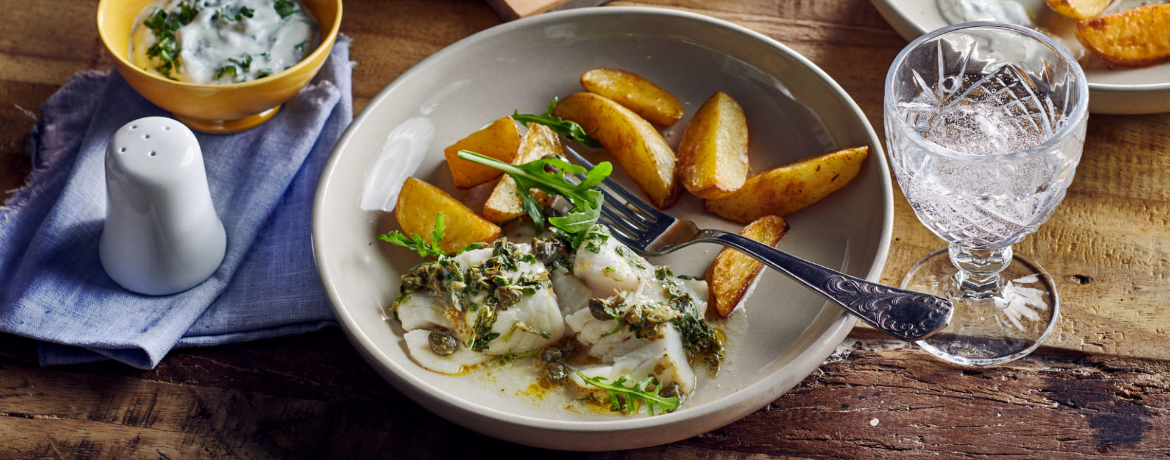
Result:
pixel 1100 387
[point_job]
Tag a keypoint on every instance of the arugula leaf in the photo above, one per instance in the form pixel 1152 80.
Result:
pixel 626 398
pixel 417 243
pixel 534 175
pixel 567 129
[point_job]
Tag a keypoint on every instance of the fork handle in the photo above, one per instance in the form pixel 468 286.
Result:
pixel 904 314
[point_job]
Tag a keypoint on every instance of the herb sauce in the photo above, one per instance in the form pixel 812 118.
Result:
pixel 222 41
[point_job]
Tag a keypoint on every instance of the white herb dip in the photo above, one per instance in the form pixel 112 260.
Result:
pixel 222 41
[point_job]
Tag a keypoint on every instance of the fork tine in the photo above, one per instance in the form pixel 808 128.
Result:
pixel 611 212
pixel 618 190
pixel 578 157
pixel 632 200
pixel 616 204
pixel 619 230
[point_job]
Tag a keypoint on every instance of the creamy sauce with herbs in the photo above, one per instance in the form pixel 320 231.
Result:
pixel 222 41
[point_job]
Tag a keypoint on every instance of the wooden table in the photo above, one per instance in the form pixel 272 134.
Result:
pixel 1099 387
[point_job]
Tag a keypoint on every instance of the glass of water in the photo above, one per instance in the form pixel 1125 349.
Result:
pixel 985 123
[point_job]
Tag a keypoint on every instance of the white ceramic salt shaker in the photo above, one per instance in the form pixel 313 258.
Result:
pixel 161 235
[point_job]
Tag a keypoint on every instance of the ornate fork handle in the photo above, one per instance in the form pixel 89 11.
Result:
pixel 903 314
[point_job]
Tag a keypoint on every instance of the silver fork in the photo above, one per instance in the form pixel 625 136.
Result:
pixel 903 314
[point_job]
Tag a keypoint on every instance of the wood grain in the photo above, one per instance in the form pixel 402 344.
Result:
pixel 252 401
pixel 1099 387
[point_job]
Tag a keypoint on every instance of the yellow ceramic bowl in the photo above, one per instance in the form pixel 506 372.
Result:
pixel 215 108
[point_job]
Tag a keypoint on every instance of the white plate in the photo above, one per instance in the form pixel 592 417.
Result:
pixel 1120 91
pixel 794 110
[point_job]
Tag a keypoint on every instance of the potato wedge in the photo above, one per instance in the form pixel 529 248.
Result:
pixel 713 154
pixel 1140 36
pixel 504 204
pixel 1079 9
pixel 732 273
pixel 633 92
pixel 792 187
pixel 419 203
pixel 633 142
pixel 499 140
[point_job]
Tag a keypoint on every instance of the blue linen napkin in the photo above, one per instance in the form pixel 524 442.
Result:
pixel 262 181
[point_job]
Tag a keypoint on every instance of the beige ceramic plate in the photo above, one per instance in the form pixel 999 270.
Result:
pixel 794 110
pixel 1116 91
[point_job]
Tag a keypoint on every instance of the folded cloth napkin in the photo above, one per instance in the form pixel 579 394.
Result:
pixel 262 181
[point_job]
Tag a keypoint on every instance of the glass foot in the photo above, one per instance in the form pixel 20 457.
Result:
pixel 991 326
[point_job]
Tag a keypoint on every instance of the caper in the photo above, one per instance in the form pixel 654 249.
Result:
pixel 551 354
pixel 508 295
pixel 603 309
pixel 547 250
pixel 556 371
pixel 671 391
pixel 422 277
pixel 442 343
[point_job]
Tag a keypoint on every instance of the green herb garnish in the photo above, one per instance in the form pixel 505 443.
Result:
pixel 417 243
pixel 567 129
pixel 187 13
pixel 163 26
pixel 509 356
pixel 534 175
pixel 626 398
pixel 225 14
pixel 263 73
pixel 226 70
pixel 285 8
pixel 244 62
pixel 481 332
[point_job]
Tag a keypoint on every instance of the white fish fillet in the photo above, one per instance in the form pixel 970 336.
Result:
pixel 537 311
pixel 607 272
pixel 664 358
pixel 424 310
pixel 572 294
pixel 419 346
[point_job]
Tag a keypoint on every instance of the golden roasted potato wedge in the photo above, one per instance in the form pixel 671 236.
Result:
pixel 637 146
pixel 1079 9
pixel 790 188
pixel 499 140
pixel 633 92
pixel 713 154
pixel 733 272
pixel 504 204
pixel 418 205
pixel 1140 36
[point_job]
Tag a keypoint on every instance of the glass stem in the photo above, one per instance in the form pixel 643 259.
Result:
pixel 978 275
